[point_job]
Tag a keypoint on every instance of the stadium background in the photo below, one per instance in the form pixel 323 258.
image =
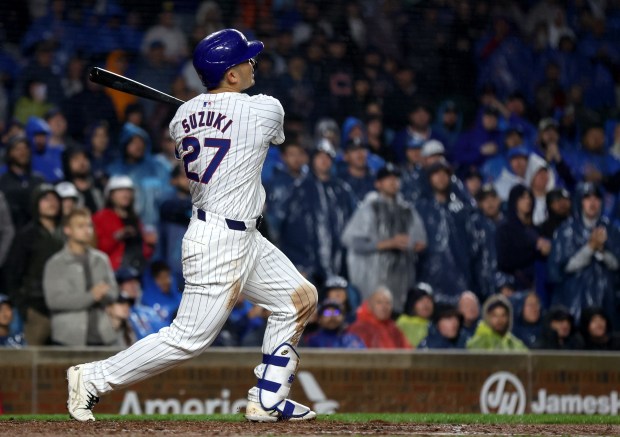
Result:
pixel 327 60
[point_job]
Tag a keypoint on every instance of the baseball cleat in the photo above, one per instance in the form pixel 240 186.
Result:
pixel 80 402
pixel 295 412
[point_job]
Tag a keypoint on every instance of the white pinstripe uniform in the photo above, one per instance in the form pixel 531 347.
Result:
pixel 223 139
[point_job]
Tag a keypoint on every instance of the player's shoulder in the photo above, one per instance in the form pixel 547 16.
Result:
pixel 264 100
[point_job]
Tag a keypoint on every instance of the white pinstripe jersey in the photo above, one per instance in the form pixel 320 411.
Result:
pixel 223 140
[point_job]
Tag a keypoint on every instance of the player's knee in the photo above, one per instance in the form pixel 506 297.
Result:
pixel 312 298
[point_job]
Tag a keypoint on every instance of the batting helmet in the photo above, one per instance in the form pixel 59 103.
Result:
pixel 221 50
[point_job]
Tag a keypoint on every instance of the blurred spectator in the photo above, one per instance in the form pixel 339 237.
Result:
pixel 448 124
pixel 528 320
pixel 34 103
pixel 34 244
pixel 19 180
pixel 592 162
pixel 337 289
pixel 539 178
pixel 161 291
pixel 596 330
pixel 494 166
pixel 175 213
pixel 354 131
pixel 399 99
pixel 469 308
pixel 99 151
pixel 472 180
pixel 57 123
pixel 559 331
pixel 356 172
pixel 45 160
pixel 7 232
pixel 332 331
pixel 518 243
pixel 493 332
pixel 143 319
pixel 558 210
pixel 168 34
pixel 418 130
pixel 245 325
pixel 72 82
pixel 486 219
pixel 294 167
pixel 156 71
pixel 376 138
pixel 416 319
pixel 79 283
pixel 296 89
pixel 69 197
pixel 149 176
pixel 451 248
pixel 40 69
pixel 317 211
pixel 445 331
pixel 583 265
pixel 167 150
pixel 117 62
pixel 383 237
pixel 374 324
pixel 514 173
pixel 552 147
pixel 483 141
pixel 77 169
pixel 79 111
pixel 8 339
pixel 119 230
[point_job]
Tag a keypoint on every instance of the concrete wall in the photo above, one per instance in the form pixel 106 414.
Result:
pixel 33 381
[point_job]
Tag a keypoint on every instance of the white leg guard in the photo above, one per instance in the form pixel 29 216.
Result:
pixel 275 376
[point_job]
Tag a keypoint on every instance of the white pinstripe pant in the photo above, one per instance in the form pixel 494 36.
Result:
pixel 218 263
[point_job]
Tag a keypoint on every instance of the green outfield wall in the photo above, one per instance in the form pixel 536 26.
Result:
pixel 33 381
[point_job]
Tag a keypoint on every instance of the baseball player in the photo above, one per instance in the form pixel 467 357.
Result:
pixel 222 138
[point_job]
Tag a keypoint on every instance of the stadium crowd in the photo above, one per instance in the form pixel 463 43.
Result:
pixel 450 176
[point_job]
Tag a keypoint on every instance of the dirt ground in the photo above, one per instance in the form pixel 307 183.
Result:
pixel 163 428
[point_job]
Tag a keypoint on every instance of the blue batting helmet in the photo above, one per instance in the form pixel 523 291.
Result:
pixel 221 50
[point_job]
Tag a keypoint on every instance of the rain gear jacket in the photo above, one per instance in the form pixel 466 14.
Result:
pixel 591 278
pixel 382 334
pixel 46 161
pixel 150 176
pixel 447 262
pixel 316 215
pixel 486 338
pixel 379 218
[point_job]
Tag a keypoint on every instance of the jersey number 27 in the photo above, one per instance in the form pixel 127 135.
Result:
pixel 191 150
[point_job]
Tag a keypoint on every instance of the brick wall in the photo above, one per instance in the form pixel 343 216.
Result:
pixel 33 381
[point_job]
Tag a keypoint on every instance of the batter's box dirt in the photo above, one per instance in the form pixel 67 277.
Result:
pixel 122 428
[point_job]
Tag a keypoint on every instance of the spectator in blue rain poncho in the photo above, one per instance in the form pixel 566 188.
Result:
pixel 528 318
pixel 46 161
pixel 294 167
pixel 354 129
pixel 474 147
pixel 485 221
pixel 418 130
pixel 149 176
pixel 316 213
pixel 584 260
pixel 592 161
pixel 161 290
pixel 447 262
pixel 448 123
pixel 383 238
pixel 445 331
pixel 175 213
pixel 357 173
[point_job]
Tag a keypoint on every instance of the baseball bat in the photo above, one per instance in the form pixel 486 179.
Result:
pixel 129 86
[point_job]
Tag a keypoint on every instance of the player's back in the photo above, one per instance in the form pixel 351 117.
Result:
pixel 223 140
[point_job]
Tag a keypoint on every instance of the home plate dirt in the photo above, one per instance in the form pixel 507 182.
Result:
pixel 16 428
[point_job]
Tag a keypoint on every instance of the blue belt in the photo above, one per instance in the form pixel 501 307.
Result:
pixel 235 225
